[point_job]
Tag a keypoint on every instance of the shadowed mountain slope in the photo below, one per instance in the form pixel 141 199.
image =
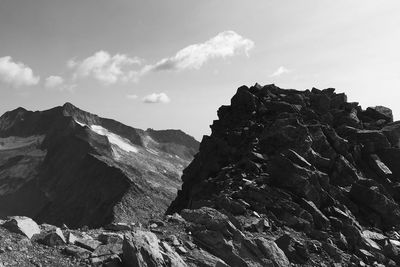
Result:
pixel 65 165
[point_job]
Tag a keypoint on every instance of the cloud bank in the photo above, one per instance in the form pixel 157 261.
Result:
pixel 156 98
pixel 225 44
pixel 132 96
pixel 16 74
pixel 105 68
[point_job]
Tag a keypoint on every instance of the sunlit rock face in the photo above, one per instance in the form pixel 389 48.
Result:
pixel 65 165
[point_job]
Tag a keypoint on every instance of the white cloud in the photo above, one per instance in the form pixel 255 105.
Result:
pixel 106 68
pixel 58 83
pixel 156 98
pixel 281 70
pixel 121 68
pixel 71 63
pixel 16 73
pixel 54 82
pixel 225 44
pixel 132 96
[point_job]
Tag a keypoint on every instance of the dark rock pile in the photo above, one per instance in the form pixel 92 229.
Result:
pixel 314 174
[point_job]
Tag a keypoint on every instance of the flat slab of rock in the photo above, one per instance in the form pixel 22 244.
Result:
pixel 22 225
pixel 77 252
pixel 107 238
pixel 89 244
pixel 118 227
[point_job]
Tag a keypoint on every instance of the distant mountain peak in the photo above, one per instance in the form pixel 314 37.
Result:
pixel 119 172
pixel 68 105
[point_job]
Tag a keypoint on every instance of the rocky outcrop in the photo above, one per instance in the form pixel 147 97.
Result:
pixel 68 166
pixel 307 170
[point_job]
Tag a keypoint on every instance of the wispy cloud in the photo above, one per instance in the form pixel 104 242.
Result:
pixel 225 44
pixel 156 98
pixel 58 83
pixel 54 82
pixel 132 96
pixel 16 73
pixel 281 70
pixel 106 68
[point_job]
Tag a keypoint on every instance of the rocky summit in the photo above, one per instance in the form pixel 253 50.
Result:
pixel 312 172
pixel 68 166
pixel 286 178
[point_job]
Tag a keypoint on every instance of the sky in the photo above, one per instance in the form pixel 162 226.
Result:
pixel 171 64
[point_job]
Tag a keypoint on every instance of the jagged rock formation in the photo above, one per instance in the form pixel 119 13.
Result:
pixel 308 170
pixel 65 165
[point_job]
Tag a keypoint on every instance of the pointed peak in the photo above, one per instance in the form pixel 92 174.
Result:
pixel 78 114
pixel 68 105
pixel 70 109
pixel 19 109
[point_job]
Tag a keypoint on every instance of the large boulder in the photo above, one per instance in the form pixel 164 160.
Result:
pixel 142 249
pixel 54 238
pixel 379 113
pixel 22 225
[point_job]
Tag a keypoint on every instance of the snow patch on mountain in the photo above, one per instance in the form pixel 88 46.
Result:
pixel 113 138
